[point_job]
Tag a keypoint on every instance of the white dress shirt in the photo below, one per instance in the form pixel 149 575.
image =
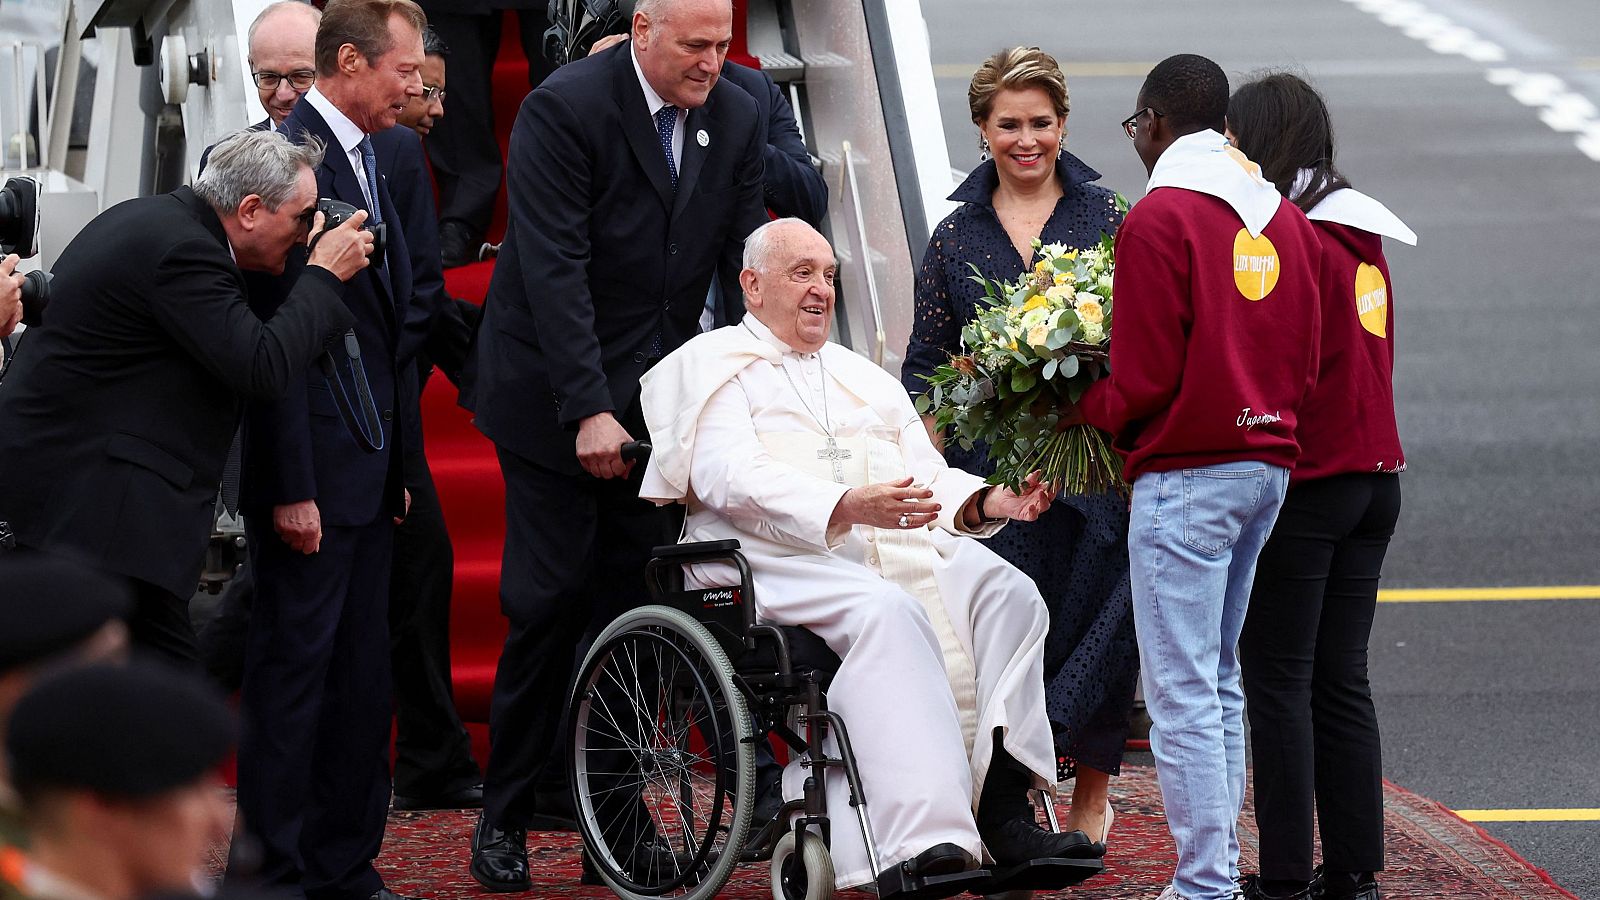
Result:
pixel 653 103
pixel 349 135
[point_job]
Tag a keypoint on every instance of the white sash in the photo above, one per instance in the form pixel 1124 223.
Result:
pixel 906 556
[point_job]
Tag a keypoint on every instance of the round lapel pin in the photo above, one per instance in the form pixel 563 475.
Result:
pixel 702 138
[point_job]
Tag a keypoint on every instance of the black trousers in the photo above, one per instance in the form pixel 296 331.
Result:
pixel 160 626
pixel 463 150
pixel 1303 654
pixel 575 553
pixel 315 710
pixel 433 752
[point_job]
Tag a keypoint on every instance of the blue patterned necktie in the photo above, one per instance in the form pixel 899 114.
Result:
pixel 666 121
pixel 369 161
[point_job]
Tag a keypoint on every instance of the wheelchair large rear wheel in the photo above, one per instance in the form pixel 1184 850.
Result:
pixel 661 766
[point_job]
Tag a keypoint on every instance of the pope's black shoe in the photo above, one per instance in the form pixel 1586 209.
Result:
pixel 458 246
pixel 942 859
pixel 1017 840
pixel 469 797
pixel 500 857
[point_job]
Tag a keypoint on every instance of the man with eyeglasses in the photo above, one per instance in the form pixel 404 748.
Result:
pixel 282 45
pixel 1216 349
pixel 422 113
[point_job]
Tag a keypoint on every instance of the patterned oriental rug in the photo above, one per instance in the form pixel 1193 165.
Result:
pixel 1431 854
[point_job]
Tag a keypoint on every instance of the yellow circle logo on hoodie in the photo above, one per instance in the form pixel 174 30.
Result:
pixel 1255 265
pixel 1372 299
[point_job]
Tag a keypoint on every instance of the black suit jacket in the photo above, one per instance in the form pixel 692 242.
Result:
pixel 299 447
pixel 601 254
pixel 791 185
pixel 116 417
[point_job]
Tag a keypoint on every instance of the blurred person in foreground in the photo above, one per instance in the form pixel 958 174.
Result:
pixel 1031 188
pixel 633 174
pixel 83 622
pixel 855 527
pixel 1313 728
pixel 322 491
pixel 1213 357
pixel 117 413
pixel 117 768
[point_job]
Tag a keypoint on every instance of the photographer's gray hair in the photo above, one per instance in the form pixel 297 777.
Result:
pixel 255 162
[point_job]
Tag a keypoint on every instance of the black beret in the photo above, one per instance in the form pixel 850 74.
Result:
pixel 49 603
pixel 128 731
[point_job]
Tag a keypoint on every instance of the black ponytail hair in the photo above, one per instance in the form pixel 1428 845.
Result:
pixel 1282 124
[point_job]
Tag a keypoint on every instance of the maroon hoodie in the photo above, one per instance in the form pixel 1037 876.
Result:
pixel 1348 424
pixel 1214 347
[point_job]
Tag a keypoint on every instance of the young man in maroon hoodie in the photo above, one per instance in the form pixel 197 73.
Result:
pixel 1215 350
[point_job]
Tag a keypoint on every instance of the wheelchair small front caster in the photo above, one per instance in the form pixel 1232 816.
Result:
pixel 807 878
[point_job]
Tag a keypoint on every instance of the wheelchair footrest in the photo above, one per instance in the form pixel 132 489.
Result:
pixel 900 883
pixel 1041 875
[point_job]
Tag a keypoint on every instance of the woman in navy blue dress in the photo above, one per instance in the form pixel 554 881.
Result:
pixel 1077 551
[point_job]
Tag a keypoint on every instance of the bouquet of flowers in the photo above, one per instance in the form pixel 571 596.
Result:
pixel 1036 347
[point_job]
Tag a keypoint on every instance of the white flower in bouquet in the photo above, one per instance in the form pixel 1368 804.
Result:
pixel 1090 312
pixel 1092 333
pixel 1062 294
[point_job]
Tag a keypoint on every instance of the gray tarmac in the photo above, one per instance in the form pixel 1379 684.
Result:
pixel 1484 705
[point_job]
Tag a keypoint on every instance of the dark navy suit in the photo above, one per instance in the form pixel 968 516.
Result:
pixel 433 752
pixel 604 267
pixel 315 703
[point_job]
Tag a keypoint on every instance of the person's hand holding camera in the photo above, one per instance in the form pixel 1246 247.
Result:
pixel 342 250
pixel 10 295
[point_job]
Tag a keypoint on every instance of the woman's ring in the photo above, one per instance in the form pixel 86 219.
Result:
pixel 905 521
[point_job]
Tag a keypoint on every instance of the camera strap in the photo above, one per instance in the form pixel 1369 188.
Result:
pixel 365 425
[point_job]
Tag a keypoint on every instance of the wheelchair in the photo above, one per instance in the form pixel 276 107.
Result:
pixel 670 701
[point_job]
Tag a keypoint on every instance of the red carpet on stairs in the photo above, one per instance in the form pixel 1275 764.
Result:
pixel 1432 854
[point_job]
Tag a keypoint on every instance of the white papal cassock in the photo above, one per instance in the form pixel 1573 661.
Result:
pixel 941 640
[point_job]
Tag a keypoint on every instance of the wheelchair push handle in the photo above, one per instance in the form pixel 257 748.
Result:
pixel 633 451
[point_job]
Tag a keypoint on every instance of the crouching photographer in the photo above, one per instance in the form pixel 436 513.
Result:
pixel 117 414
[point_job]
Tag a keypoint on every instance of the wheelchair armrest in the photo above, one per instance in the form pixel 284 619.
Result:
pixel 695 550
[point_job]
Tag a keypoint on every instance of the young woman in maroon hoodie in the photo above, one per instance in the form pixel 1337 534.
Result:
pixel 1314 733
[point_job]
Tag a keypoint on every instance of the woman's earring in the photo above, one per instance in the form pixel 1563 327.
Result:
pixel 983 149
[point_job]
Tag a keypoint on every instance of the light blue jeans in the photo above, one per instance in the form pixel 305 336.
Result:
pixel 1193 539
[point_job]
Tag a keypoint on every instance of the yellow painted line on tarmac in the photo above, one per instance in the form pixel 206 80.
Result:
pixel 1071 70
pixel 1456 595
pixel 1529 815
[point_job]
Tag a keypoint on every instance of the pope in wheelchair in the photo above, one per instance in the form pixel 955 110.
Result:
pixel 814 460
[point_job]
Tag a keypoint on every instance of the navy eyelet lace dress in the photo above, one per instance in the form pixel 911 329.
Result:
pixel 1077 552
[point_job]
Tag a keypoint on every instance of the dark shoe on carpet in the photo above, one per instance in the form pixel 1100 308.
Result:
pixel 942 859
pixel 1253 888
pixel 1327 885
pixel 458 246
pixel 1018 840
pixel 469 797
pixel 500 857
pixel 553 810
pixel 386 894
pixel 650 863
pixel 769 803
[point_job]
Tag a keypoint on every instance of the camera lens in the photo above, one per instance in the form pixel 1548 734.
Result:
pixel 35 294
pixel 19 217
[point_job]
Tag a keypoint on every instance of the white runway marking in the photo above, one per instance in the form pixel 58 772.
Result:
pixel 1564 110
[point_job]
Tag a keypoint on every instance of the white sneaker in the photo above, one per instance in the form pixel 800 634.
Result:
pixel 1170 892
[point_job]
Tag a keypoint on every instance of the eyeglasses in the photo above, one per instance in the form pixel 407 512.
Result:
pixel 1131 123
pixel 301 80
pixel 431 92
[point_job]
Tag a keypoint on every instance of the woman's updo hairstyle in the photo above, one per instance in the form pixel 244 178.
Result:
pixel 1017 69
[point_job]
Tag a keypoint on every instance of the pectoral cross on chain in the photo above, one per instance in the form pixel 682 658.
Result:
pixel 833 454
